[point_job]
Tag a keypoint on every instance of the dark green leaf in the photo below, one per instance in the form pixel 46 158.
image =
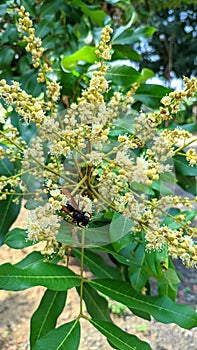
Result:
pixel 6 167
pixel 188 183
pixel 131 36
pixel 30 7
pixel 123 29
pixel 9 35
pixel 142 314
pixel 26 131
pixel 96 305
pixel 96 16
pixel 151 94
pixel 50 7
pixel 65 337
pixel 6 57
pixel 17 239
pixel 168 283
pixel 44 27
pixel 124 52
pixel 118 338
pixel 30 259
pixel 97 265
pixel 29 82
pixel 128 261
pixel 161 308
pixel 45 317
pixel 122 75
pixel 138 274
pixel 167 289
pixel 54 277
pixel 153 261
pixel 189 127
pixel 8 213
pixel 182 166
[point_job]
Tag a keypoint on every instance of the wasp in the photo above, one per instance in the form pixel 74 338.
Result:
pixel 71 208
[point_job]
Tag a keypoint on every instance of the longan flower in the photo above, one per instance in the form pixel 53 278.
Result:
pixel 95 158
pixel 104 50
pixel 191 156
pixel 42 223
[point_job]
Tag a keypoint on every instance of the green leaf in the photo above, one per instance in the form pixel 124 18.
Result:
pixel 125 52
pixel 96 16
pixel 86 54
pixel 97 306
pixel 122 75
pixel 6 57
pixel 30 259
pixel 44 26
pixel 118 338
pixel 128 261
pixel 189 127
pixel 161 188
pixel 189 216
pixel 153 261
pixel 168 177
pixel 142 314
pixel 188 183
pixel 140 187
pixel 97 265
pixel 9 34
pixel 64 337
pixel 8 213
pixel 50 8
pixel 168 283
pixel 26 131
pixel 126 124
pixel 120 231
pixel 30 7
pixel 182 166
pixel 138 274
pixel 29 82
pixel 17 239
pixel 146 74
pixel 122 29
pixel 45 317
pixel 6 167
pixel 54 277
pixel 161 308
pixel 3 9
pixel 131 36
pixel 151 94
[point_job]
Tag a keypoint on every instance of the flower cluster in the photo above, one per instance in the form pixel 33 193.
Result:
pixel 34 44
pixel 76 151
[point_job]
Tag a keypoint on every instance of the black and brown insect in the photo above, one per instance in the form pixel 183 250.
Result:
pixel 71 208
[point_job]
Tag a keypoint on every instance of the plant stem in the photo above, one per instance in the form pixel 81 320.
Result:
pixel 81 271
